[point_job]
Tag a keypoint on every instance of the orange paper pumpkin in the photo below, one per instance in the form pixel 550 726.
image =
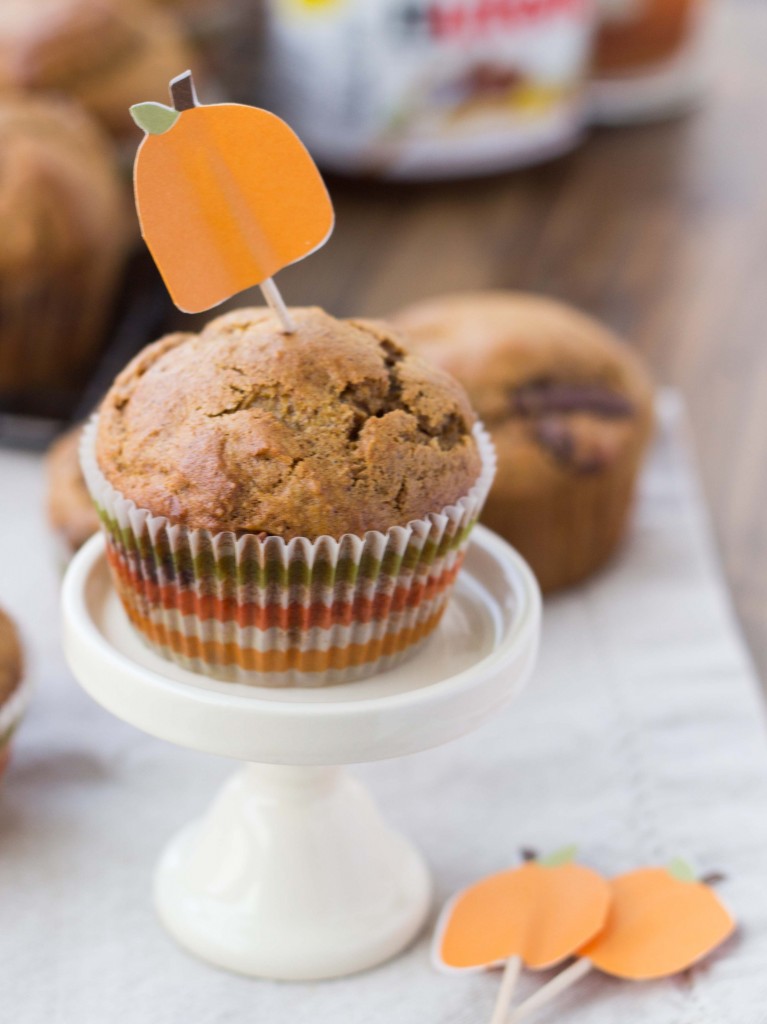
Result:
pixel 541 912
pixel 227 195
pixel 661 921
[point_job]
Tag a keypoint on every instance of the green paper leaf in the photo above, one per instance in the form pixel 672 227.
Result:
pixel 681 870
pixel 154 118
pixel 559 857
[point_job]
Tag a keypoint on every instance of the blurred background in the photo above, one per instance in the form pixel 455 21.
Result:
pixel 611 156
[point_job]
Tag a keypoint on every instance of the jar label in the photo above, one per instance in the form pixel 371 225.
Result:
pixel 429 87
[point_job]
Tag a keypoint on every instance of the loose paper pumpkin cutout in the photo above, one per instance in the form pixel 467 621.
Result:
pixel 541 912
pixel 226 194
pixel 661 922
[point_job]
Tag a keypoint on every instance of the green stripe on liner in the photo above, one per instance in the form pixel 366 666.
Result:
pixel 323 573
pixel 391 563
pixel 211 573
pixel 410 557
pixel 299 573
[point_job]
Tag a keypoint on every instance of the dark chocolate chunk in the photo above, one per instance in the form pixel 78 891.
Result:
pixel 541 397
pixel 555 434
pixel 556 437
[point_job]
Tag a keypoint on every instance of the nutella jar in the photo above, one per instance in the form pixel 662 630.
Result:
pixel 413 89
pixel 648 59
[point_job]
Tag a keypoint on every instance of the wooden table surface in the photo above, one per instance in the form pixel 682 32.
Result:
pixel 661 231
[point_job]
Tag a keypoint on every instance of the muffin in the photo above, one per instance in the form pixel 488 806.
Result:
pixel 70 509
pixel 648 33
pixel 106 54
pixel 12 693
pixel 285 509
pixel 62 248
pixel 569 409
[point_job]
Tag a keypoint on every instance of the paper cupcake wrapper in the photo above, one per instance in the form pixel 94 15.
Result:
pixel 11 712
pixel 276 613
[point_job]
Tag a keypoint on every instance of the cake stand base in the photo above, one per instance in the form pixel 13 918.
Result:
pixel 293 875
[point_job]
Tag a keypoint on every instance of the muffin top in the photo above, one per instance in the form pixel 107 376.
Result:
pixel 10 657
pixel 542 375
pixel 334 429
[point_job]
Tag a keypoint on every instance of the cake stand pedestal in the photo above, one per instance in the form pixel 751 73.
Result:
pixel 292 873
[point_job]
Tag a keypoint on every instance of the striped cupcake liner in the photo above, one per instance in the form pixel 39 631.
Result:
pixel 275 613
pixel 11 712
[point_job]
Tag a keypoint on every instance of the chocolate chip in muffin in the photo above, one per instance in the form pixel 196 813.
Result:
pixel 540 397
pixel 550 405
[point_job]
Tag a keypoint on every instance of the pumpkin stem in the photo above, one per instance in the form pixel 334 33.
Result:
pixel 182 92
pixel 527 853
pixel 714 878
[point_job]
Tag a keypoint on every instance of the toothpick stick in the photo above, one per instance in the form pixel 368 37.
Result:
pixel 564 980
pixel 276 303
pixel 506 992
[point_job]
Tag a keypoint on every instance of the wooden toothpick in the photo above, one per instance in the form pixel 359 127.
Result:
pixel 509 981
pixel 564 980
pixel 276 303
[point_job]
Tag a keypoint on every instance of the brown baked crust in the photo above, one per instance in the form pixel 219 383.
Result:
pixel 71 512
pixel 105 54
pixel 63 244
pixel 655 34
pixel 334 429
pixel 570 411
pixel 11 662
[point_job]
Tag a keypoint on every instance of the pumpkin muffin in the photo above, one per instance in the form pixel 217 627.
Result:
pixel 70 509
pixel 569 408
pixel 62 247
pixel 336 429
pixel 106 54
pixel 11 665
pixel 350 469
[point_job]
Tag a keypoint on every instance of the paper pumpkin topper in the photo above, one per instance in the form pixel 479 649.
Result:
pixel 661 921
pixel 226 194
pixel 540 912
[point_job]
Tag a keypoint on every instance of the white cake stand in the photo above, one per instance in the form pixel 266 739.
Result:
pixel 292 874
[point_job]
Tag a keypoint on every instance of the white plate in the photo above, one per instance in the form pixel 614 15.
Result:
pixel 474 663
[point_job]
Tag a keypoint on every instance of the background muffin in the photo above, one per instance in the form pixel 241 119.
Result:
pixel 11 665
pixel 70 509
pixel 349 469
pixel 62 246
pixel 569 409
pixel 106 54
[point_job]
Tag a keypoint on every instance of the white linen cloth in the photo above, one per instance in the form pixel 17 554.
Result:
pixel 640 737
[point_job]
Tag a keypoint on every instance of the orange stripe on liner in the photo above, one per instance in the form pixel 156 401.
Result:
pixel 223 654
pixel 293 616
